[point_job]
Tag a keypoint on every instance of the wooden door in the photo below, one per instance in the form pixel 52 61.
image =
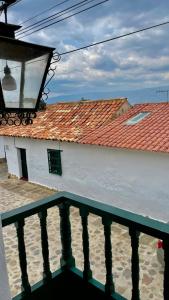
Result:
pixel 24 164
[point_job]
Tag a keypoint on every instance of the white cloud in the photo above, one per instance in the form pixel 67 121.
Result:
pixel 135 61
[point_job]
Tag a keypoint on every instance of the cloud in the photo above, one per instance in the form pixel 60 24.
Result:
pixel 137 61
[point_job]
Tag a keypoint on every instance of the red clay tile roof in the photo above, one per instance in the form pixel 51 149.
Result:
pixel 151 133
pixel 68 121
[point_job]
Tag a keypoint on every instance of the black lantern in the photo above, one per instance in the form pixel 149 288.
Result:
pixel 23 70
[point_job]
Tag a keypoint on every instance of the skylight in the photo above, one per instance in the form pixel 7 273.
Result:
pixel 137 118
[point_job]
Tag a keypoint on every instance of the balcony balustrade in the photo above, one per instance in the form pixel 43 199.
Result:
pixel 68 281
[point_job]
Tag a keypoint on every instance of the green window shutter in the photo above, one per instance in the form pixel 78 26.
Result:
pixel 54 160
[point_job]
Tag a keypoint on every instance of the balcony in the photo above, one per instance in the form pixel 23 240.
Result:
pixel 69 281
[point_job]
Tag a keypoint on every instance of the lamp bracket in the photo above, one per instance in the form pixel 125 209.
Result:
pixel 25 118
pixel 51 73
pixel 6 3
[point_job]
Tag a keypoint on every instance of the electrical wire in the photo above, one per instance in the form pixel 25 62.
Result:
pixel 42 12
pixel 44 27
pixel 15 3
pixel 53 17
pixel 12 4
pixel 105 41
pixel 116 37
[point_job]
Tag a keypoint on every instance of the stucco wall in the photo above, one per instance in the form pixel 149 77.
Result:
pixel 133 180
pixel 2 151
pixel 122 109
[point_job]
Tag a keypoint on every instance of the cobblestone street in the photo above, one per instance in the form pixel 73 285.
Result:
pixel 15 193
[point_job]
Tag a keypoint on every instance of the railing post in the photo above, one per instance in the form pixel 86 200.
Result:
pixel 67 260
pixel 166 269
pixel 45 248
pixel 135 263
pixel 87 273
pixel 109 285
pixel 25 286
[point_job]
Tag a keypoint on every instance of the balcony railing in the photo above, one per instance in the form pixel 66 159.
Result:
pixel 68 279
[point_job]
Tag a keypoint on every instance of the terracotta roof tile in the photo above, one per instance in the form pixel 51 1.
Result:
pixel 151 133
pixel 68 121
pixel 92 122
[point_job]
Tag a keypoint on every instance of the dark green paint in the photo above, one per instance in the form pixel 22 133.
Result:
pixel 54 161
pixel 25 285
pixel 166 269
pixel 109 285
pixel 45 248
pixel 109 214
pixel 69 284
pixel 67 259
pixel 143 224
pixel 87 273
pixel 135 263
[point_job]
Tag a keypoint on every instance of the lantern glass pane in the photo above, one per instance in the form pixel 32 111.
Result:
pixel 22 70
pixel 34 72
pixel 21 87
pixel 10 92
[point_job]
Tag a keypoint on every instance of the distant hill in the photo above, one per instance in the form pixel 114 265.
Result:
pixel 134 96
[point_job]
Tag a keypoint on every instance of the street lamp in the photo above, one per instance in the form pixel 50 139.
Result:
pixel 23 71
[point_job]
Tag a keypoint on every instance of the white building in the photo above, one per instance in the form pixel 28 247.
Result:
pixel 124 162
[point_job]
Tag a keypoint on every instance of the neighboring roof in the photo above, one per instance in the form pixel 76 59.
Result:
pixel 68 121
pixel 151 133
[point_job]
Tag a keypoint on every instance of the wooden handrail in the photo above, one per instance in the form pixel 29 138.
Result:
pixel 143 224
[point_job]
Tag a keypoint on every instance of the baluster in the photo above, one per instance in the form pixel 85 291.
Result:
pixel 67 259
pixel 135 263
pixel 109 285
pixel 25 286
pixel 87 273
pixel 45 248
pixel 166 269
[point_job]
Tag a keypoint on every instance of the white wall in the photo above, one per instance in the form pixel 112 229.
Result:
pixel 2 151
pixel 133 180
pixel 13 156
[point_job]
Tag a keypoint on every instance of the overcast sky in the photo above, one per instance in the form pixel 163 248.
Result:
pixel 109 70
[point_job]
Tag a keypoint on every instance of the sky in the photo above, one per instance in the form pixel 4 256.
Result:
pixel 136 67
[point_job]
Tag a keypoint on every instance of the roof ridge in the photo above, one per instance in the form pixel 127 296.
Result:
pixel 151 103
pixel 90 101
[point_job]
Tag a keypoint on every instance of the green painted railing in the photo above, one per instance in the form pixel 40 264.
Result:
pixel 109 214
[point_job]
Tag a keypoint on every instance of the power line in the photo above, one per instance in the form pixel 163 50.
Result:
pixel 164 91
pixel 103 41
pixel 54 16
pixel 45 19
pixel 17 1
pixel 42 12
pixel 68 9
pixel 9 3
pixel 117 37
pixel 66 18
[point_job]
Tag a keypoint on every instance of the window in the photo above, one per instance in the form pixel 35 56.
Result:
pixel 137 118
pixel 54 161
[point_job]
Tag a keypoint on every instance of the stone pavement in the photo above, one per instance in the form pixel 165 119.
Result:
pixel 15 193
